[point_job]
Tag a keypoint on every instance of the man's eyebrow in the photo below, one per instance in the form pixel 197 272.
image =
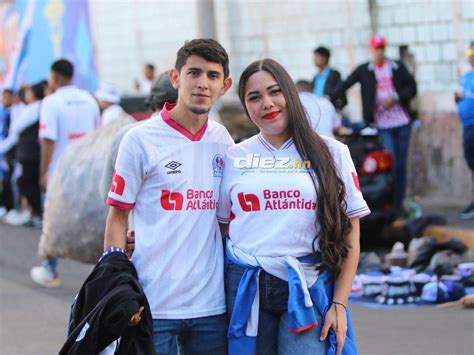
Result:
pixel 195 69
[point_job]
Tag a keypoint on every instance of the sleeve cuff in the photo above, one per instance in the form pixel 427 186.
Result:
pixel 121 205
pixel 358 212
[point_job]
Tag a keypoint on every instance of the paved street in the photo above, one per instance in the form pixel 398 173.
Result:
pixel 33 319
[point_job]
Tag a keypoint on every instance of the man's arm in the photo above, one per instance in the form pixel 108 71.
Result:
pixel 116 228
pixel 408 90
pixel 47 150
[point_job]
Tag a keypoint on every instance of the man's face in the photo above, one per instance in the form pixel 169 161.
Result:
pixel 320 61
pixel 378 55
pixel 149 73
pixel 7 99
pixel 199 84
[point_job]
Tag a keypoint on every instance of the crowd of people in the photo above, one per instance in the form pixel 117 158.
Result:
pixel 281 280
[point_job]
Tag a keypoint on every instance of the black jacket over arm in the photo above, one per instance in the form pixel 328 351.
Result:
pixel 106 301
pixel 403 81
pixel 332 83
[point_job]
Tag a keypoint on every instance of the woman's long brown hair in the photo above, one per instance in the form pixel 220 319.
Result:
pixel 334 225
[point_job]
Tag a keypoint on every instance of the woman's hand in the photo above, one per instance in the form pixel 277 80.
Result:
pixel 336 319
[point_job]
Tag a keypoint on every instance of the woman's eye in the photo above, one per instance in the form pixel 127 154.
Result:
pixel 275 92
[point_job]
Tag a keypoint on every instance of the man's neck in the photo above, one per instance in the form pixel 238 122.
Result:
pixel 321 69
pixel 191 121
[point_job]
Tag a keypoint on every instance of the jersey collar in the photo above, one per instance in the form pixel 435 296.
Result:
pixel 165 114
pixel 268 146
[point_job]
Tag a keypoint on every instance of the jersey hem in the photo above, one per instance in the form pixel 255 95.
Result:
pixel 191 315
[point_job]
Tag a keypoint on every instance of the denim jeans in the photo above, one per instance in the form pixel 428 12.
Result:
pixel 206 335
pixel 397 140
pixel 274 335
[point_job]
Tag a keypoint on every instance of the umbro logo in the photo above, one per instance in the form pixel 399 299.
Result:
pixel 173 166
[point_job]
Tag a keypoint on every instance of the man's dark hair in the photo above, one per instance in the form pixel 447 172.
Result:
pixel 209 49
pixel 63 67
pixel 38 90
pixel 323 51
pixel 150 66
pixel 8 91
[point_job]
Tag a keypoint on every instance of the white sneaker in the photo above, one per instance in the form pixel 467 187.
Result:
pixel 42 276
pixel 3 212
pixel 19 219
pixel 11 214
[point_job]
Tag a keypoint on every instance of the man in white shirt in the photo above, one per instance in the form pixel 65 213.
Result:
pixel 168 172
pixel 320 111
pixel 144 85
pixel 66 115
pixel 108 97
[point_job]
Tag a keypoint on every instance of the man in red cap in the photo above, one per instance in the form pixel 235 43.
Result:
pixel 387 89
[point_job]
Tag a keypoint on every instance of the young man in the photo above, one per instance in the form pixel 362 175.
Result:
pixel 387 89
pixel 144 85
pixel 465 101
pixel 168 171
pixel 67 114
pixel 327 79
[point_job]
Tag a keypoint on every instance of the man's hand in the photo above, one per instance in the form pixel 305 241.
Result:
pixel 136 318
pixel 388 102
pixel 130 243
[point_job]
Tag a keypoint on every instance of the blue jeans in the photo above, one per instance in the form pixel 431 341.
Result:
pixel 206 335
pixel 274 335
pixel 396 141
pixel 468 145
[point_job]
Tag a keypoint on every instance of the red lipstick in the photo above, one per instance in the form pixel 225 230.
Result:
pixel 271 115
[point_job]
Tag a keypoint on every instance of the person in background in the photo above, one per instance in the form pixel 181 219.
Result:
pixel 27 157
pixel 320 111
pixel 144 85
pixel 387 89
pixel 6 166
pixel 67 114
pixel 8 151
pixel 327 79
pixel 465 100
pixel 108 97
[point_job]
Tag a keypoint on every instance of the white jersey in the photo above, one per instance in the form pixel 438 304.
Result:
pixel 321 113
pixel 269 198
pixel 171 179
pixel 67 114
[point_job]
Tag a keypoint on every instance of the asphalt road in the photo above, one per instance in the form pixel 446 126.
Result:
pixel 33 319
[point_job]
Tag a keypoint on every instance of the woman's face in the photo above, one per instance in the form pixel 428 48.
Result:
pixel 266 106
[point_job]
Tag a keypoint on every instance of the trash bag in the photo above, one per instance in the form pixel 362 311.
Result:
pixel 75 212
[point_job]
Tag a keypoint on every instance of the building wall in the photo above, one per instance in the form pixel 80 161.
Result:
pixel 129 33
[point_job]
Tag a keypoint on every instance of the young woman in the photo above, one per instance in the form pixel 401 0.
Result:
pixel 290 203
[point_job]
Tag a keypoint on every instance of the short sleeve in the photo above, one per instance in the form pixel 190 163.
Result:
pixel 224 206
pixel 356 207
pixel 48 128
pixel 130 171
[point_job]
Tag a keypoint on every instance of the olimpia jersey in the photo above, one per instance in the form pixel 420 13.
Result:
pixel 170 178
pixel 268 196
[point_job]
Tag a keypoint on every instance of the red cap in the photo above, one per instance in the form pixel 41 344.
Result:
pixel 377 41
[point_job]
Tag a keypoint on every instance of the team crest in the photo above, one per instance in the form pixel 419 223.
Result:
pixel 218 165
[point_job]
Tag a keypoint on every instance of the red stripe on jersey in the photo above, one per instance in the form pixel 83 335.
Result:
pixel 43 126
pixel 120 205
pixel 75 135
pixel 165 114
